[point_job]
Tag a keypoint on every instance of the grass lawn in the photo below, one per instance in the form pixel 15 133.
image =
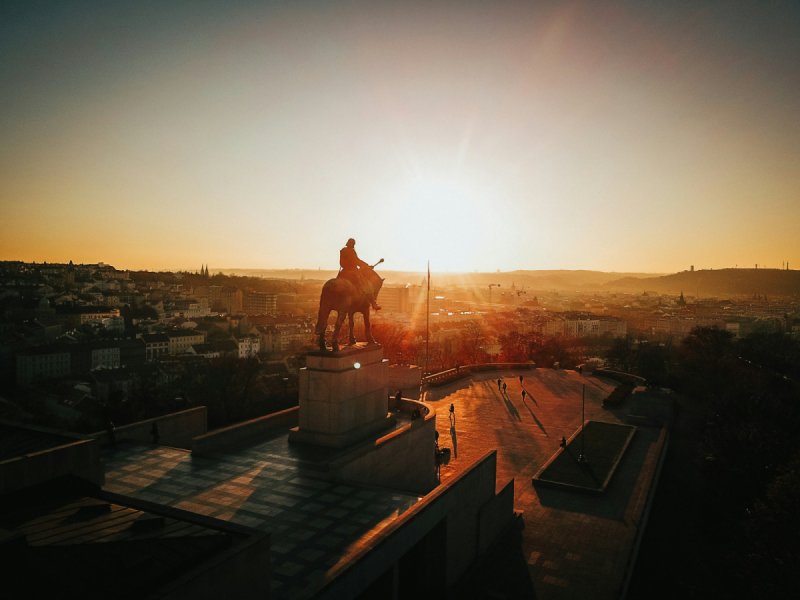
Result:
pixel 603 447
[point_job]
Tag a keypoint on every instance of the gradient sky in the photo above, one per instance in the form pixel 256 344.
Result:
pixel 624 136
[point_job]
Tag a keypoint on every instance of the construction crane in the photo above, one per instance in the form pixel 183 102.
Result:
pixel 491 285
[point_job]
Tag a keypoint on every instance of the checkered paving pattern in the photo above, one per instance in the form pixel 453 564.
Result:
pixel 314 523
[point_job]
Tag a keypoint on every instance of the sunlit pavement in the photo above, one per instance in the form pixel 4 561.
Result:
pixel 576 546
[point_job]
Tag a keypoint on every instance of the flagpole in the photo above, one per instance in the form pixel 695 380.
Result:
pixel 428 319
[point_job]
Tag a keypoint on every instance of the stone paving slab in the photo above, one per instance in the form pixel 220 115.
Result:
pixel 313 522
pixel 577 545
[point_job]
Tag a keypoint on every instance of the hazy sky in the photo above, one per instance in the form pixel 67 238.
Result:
pixel 624 136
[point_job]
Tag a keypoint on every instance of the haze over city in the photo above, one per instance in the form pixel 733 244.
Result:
pixel 626 136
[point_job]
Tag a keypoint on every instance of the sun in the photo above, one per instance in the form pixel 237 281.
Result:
pixel 443 220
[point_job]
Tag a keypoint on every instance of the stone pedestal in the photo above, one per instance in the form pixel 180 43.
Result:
pixel 343 396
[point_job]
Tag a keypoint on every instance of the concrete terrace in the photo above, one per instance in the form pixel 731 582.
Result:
pixel 271 486
pixel 575 545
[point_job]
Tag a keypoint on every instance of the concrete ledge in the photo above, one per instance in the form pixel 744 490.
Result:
pixel 449 375
pixel 174 429
pixel 341 440
pixel 343 359
pixel 621 376
pixel 80 458
pixel 456 504
pixel 494 517
pixel 406 378
pixel 403 459
pixel 245 432
pixel 409 406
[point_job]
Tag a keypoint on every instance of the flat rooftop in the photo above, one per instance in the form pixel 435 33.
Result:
pixel 49 537
pixel 271 486
pixel 575 545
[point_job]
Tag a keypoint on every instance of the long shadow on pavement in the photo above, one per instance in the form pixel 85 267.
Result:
pixel 535 418
pixel 512 410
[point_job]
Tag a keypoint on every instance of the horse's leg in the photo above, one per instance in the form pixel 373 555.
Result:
pixel 322 324
pixel 340 315
pixel 367 329
pixel 350 321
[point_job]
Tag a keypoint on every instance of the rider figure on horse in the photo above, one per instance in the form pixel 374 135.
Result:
pixel 351 267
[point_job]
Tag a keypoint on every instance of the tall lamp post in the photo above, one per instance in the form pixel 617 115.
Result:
pixel 582 455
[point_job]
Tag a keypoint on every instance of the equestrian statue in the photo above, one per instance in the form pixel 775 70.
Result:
pixel 352 291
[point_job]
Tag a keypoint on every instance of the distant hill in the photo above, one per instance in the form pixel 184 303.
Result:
pixel 555 280
pixel 578 280
pixel 720 282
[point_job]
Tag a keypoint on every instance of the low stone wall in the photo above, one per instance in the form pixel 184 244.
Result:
pixel 174 429
pixel 472 516
pixel 493 517
pixel 449 375
pixel 406 378
pixel 621 376
pixel 404 459
pixel 651 407
pixel 409 406
pixel 80 458
pixel 245 432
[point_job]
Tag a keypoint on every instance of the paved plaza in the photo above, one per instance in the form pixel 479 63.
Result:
pixel 575 545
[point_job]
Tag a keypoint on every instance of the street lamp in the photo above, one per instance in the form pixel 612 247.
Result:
pixel 582 455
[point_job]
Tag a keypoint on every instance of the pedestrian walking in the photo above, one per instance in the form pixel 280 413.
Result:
pixel 504 387
pixel 524 393
pixel 112 432
pixel 452 415
pixel 520 379
pixel 498 385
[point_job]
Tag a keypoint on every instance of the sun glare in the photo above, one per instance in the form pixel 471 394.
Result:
pixel 440 220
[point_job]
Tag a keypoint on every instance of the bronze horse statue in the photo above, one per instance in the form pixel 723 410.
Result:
pixel 346 299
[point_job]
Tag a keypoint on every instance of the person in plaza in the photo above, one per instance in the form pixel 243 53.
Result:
pixel 452 415
pixel 351 267
pixel 524 393
pixel 504 387
pixel 498 385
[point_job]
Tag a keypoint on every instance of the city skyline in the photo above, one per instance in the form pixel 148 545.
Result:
pixel 621 138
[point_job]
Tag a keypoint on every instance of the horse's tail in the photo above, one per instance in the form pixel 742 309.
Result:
pixel 319 326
